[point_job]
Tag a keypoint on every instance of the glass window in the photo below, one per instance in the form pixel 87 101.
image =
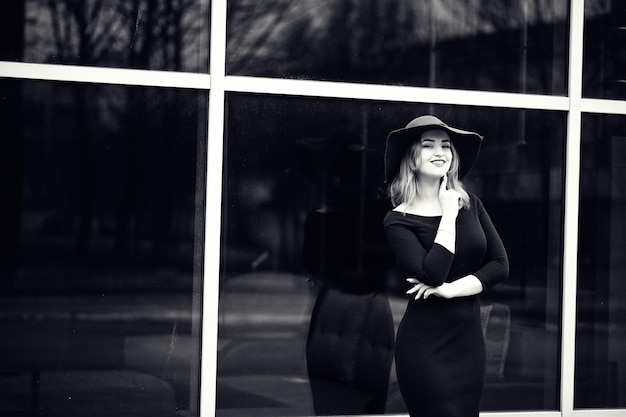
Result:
pixel 601 329
pixel 293 165
pixel 167 35
pixel 604 67
pixel 518 46
pixel 101 249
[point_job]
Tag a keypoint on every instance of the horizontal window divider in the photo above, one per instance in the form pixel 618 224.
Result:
pixel 603 106
pixel 604 412
pixel 332 89
pixel 520 414
pixel 105 75
pixel 499 414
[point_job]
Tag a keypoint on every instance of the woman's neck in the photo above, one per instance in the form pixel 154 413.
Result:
pixel 426 203
pixel 428 188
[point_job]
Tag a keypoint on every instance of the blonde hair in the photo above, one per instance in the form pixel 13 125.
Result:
pixel 405 189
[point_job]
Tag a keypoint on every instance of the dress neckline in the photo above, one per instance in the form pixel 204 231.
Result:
pixel 417 215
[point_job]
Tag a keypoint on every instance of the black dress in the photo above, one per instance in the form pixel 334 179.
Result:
pixel 440 349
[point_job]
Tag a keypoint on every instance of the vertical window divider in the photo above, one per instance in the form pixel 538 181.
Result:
pixel 572 194
pixel 212 231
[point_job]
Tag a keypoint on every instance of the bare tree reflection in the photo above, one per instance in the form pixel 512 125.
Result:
pixel 438 43
pixel 160 34
pixel 151 34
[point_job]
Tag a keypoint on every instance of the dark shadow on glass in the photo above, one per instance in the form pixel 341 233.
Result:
pixel 349 347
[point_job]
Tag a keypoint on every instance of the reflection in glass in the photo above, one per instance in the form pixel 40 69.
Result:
pixel 508 46
pixel 278 153
pixel 99 263
pixel 604 65
pixel 167 35
pixel 601 327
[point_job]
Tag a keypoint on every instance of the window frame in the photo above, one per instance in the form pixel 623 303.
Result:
pixel 219 84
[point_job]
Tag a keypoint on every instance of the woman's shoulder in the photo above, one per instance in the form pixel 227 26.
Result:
pixel 475 203
pixel 400 217
pixel 390 217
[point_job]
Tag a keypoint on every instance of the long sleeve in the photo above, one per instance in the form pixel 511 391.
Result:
pixel 431 266
pixel 496 262
pixel 478 251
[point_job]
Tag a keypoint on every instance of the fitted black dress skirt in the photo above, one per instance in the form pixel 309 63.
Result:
pixel 440 357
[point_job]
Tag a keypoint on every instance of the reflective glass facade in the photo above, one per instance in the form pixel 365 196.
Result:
pixel 518 46
pixel 600 326
pixel 158 35
pixel 101 249
pixel 273 190
pixel 156 248
pixel 604 68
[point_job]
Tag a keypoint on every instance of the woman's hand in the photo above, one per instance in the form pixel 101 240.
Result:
pixel 462 287
pixel 449 200
pixel 424 291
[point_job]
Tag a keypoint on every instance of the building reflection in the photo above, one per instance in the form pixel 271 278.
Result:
pixel 267 307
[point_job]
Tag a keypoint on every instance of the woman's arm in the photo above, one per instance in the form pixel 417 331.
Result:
pixel 431 267
pixel 496 265
pixel 494 269
pixel 449 200
pixel 462 287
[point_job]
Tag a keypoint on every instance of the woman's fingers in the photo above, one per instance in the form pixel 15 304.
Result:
pixel 421 292
pixel 420 289
pixel 444 183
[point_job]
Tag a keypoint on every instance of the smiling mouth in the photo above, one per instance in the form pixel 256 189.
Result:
pixel 438 162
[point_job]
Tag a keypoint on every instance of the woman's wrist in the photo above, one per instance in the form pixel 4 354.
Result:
pixel 464 287
pixel 447 232
pixel 449 216
pixel 446 238
pixel 447 223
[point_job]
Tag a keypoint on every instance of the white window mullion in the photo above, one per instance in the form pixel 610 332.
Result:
pixel 603 106
pixel 406 94
pixel 520 414
pixel 572 177
pixel 102 75
pixel 599 413
pixel 215 147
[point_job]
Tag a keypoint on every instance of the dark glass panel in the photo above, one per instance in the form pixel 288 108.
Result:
pixel 518 46
pixel 278 152
pixel 169 35
pixel 601 326
pixel 604 66
pixel 101 249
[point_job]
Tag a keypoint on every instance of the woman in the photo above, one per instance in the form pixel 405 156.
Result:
pixel 447 247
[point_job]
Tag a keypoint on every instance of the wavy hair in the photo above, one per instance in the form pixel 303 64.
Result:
pixel 405 189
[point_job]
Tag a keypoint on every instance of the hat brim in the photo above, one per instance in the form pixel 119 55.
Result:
pixel 466 143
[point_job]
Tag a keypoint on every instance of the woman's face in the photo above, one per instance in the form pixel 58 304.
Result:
pixel 435 153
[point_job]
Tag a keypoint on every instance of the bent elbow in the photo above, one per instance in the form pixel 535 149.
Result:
pixel 433 279
pixel 505 267
pixel 422 275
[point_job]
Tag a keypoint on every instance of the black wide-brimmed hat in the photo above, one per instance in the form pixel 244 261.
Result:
pixel 466 143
